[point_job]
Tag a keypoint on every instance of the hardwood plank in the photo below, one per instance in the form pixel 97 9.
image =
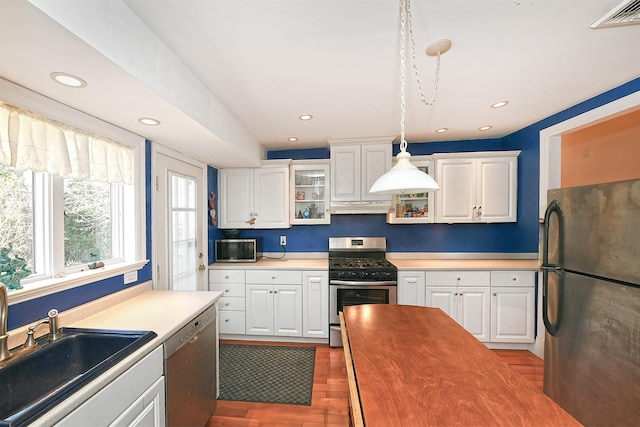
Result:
pixel 330 377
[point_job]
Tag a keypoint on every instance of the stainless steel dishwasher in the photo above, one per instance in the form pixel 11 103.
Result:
pixel 190 368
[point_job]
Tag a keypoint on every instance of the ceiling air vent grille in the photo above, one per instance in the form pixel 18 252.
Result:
pixel 625 13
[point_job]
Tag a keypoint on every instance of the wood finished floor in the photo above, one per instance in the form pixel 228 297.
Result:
pixel 329 404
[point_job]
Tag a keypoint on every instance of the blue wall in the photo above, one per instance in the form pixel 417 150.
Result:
pixel 30 311
pixel 508 238
pixel 516 237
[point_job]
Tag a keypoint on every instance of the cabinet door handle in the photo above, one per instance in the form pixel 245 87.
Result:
pixel 226 304
pixel 514 278
pixel 226 320
pixel 495 295
pixel 479 213
pixel 460 294
pixel 226 291
pixel 226 277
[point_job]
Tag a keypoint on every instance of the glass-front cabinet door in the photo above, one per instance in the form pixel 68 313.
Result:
pixel 414 208
pixel 310 190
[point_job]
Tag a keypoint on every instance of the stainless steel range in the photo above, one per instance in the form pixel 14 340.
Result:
pixel 359 273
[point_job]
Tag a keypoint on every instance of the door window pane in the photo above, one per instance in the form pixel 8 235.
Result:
pixel 184 246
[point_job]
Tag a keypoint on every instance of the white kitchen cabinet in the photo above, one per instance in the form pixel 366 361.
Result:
pixel 315 300
pixel 135 398
pixel 477 187
pixel 274 303
pixel 513 306
pixel 414 208
pixel 309 195
pixel 411 288
pixel 355 165
pixel 463 295
pixel 231 307
pixel 254 198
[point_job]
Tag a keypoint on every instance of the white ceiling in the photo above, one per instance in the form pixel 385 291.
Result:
pixel 229 78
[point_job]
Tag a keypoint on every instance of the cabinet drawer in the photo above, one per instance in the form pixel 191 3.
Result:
pixel 279 277
pixel 513 278
pixel 458 278
pixel 226 276
pixel 228 289
pixel 231 322
pixel 231 304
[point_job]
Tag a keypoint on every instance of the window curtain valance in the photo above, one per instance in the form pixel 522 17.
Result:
pixel 31 141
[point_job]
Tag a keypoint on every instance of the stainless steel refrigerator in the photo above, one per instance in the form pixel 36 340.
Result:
pixel 591 302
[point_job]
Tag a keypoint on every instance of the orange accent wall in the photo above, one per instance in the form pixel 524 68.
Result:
pixel 604 152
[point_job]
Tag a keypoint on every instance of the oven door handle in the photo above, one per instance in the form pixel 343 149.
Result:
pixel 363 284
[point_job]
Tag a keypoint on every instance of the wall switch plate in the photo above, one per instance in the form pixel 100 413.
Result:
pixel 283 240
pixel 130 277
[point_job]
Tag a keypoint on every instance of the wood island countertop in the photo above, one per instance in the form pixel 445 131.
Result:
pixel 415 366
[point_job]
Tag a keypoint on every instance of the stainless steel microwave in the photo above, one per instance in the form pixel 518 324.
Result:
pixel 237 250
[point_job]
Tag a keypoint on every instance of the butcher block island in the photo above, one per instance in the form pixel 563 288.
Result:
pixel 415 366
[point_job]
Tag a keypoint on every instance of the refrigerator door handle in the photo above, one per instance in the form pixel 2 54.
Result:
pixel 552 328
pixel 554 208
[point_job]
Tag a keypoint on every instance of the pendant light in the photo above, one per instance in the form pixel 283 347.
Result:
pixel 405 176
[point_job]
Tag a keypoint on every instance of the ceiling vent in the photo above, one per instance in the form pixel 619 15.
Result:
pixel 625 13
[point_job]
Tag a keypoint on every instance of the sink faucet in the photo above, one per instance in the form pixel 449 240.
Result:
pixel 4 308
pixel 52 320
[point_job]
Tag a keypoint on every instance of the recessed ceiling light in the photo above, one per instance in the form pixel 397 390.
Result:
pixel 306 117
pixel 292 139
pixel 499 104
pixel 442 130
pixel 483 128
pixel 149 121
pixel 68 79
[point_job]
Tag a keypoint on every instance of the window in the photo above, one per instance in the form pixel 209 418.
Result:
pixel 92 217
pixel 72 196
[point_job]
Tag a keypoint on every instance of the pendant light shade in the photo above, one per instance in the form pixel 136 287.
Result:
pixel 404 177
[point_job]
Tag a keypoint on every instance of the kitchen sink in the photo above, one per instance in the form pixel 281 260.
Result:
pixel 36 382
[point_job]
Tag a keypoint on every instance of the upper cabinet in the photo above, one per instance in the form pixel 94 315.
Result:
pixel 477 187
pixel 254 198
pixel 414 208
pixel 355 165
pixel 309 192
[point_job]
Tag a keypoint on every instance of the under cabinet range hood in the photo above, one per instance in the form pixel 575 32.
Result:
pixel 360 207
pixel 356 163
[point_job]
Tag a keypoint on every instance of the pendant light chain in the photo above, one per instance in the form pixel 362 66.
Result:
pixel 415 67
pixel 403 10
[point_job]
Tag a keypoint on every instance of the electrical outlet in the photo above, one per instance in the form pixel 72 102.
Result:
pixel 283 240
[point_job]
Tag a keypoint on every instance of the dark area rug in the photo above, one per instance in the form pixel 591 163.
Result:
pixel 274 374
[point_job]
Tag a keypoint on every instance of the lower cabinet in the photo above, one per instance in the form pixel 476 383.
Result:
pixel 411 287
pixel 463 295
pixel 231 314
pixel 315 300
pixel 135 398
pixel 274 303
pixel 513 306
pixel 494 306
pixel 290 303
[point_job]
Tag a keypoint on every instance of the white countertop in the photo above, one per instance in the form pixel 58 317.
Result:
pixel 401 263
pixel 280 264
pixel 163 312
pixel 465 264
